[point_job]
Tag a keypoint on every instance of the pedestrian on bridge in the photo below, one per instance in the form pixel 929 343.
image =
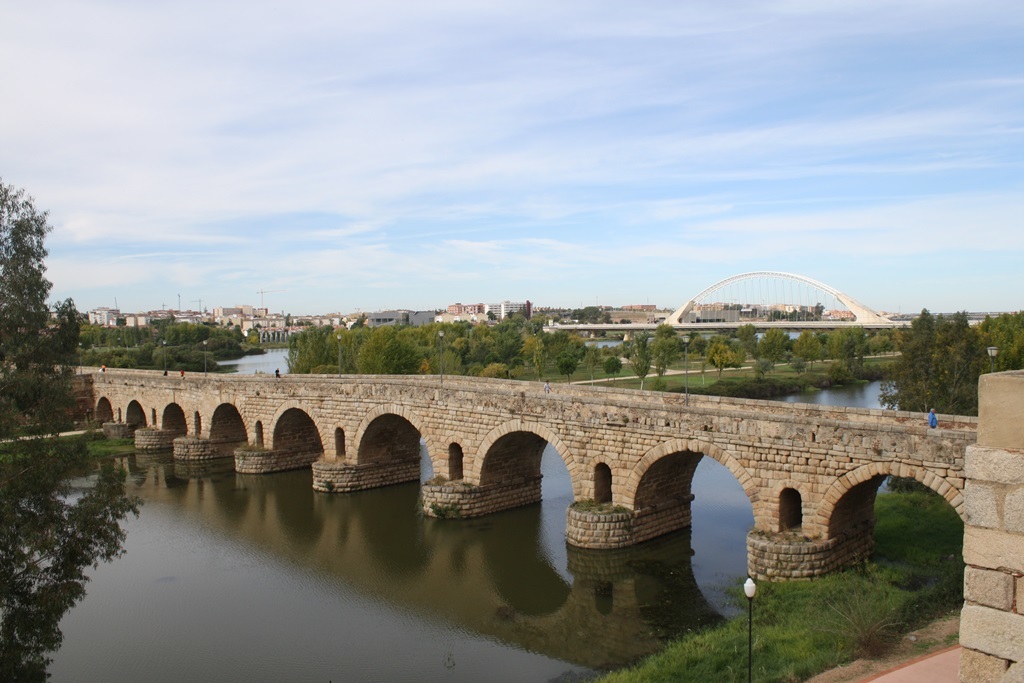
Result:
pixel 933 420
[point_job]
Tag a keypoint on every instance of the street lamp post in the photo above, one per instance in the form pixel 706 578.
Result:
pixel 993 351
pixel 750 588
pixel 339 354
pixel 205 342
pixel 164 344
pixel 440 354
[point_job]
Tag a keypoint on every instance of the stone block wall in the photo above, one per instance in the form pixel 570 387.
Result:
pixel 787 556
pixel 992 620
pixel 331 476
pixel 194 448
pixel 249 461
pixel 455 499
pixel 118 430
pixel 153 439
pixel 599 530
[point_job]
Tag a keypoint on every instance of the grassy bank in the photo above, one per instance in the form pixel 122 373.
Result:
pixel 803 628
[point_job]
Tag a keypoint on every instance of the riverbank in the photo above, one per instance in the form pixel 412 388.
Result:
pixel 802 629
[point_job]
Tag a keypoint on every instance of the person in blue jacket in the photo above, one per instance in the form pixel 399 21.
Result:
pixel 933 421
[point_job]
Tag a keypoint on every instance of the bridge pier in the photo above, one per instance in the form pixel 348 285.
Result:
pixel 458 499
pixel 118 430
pixel 195 448
pixel 608 527
pixel 255 460
pixel 155 439
pixel 786 556
pixel 333 476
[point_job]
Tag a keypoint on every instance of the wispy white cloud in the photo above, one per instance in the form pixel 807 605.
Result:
pixel 364 154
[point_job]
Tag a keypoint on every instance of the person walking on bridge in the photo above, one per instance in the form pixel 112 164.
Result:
pixel 933 420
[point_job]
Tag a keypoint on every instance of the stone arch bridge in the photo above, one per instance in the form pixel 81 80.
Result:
pixel 810 472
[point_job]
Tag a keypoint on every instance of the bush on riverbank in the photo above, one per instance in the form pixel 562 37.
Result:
pixel 803 628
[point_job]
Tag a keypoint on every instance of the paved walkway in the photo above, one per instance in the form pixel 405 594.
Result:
pixel 939 667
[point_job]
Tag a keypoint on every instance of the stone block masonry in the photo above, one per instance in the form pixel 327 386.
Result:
pixel 992 620
pixel 809 472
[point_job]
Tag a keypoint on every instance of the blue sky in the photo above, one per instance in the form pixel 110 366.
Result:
pixel 371 155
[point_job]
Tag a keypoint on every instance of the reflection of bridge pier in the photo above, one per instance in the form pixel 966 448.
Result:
pixel 488 575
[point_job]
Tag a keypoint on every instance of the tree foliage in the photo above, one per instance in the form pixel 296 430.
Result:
pixel 47 537
pixel 640 356
pixel 940 361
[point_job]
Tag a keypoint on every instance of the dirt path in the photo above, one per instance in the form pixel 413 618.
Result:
pixel 935 636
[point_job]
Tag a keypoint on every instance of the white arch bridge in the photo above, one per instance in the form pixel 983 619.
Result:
pixel 861 313
pixel 759 291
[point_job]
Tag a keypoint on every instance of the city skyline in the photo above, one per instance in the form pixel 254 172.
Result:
pixel 390 156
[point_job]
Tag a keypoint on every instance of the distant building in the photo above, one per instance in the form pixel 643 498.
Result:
pixel 106 317
pixel 640 307
pixel 507 308
pixel 467 309
pixel 402 317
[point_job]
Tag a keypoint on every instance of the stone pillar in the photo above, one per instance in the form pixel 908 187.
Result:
pixel 786 555
pixel 599 529
pixel 250 460
pixel 118 430
pixel 153 439
pixel 334 476
pixel 992 620
pixel 194 448
pixel 458 499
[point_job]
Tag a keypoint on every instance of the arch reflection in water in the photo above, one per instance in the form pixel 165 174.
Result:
pixel 508 577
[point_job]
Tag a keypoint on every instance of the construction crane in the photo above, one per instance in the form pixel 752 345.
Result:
pixel 268 291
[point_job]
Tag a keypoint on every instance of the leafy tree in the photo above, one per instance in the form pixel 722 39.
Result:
pixel 47 537
pixel 773 347
pixel 640 356
pixel 533 349
pixel 665 349
pixel 846 348
pixel 807 347
pixel 591 359
pixel 387 352
pixel 721 355
pixel 1006 332
pixel 747 336
pixel 612 365
pixel 940 361
pixel 567 363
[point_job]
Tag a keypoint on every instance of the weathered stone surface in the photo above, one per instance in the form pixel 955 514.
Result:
pixel 988 587
pixel 981 505
pixel 999 410
pixel 978 667
pixel 994 464
pixel 993 549
pixel 1013 510
pixel 993 632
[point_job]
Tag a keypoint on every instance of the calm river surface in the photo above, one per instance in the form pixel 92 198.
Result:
pixel 230 577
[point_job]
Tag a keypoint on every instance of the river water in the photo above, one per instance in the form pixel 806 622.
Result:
pixel 231 577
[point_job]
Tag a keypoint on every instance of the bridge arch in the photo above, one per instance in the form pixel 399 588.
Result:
pixel 865 481
pixel 862 313
pixel 227 428
pixel 672 446
pixel 476 471
pixel 104 411
pixel 296 433
pixel 173 419
pixel 390 433
pixel 135 414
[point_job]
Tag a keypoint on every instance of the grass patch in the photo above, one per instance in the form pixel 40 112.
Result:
pixel 99 448
pixel 803 628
